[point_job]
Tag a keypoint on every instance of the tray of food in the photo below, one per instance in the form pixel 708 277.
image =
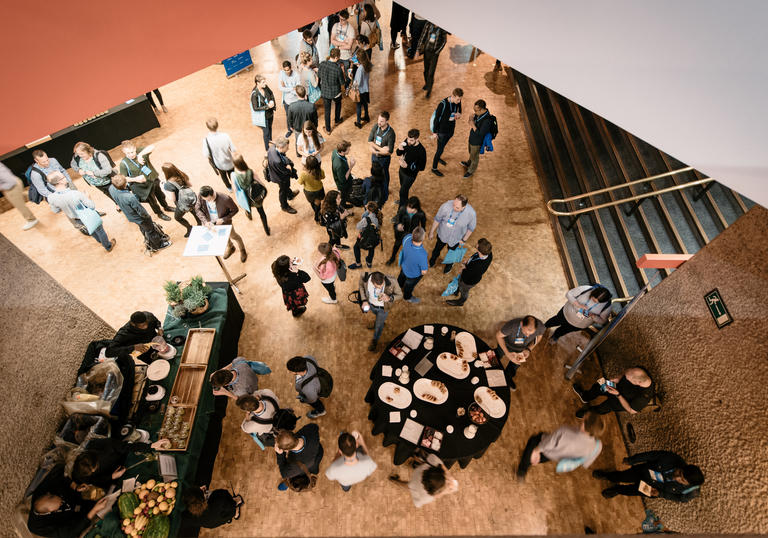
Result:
pixel 453 365
pixel 466 347
pixel 430 390
pixel 197 347
pixel 395 395
pixel 490 402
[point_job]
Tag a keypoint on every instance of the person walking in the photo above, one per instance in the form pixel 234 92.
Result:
pixel 361 82
pixel 65 200
pixel 298 454
pixel 184 198
pixel 289 81
pixel 444 119
pixel 454 222
pixel 309 142
pixel 397 24
pixel 263 100
pixel 377 294
pixel 244 179
pixel 416 28
pixel 414 265
pixel 332 79
pixel 13 190
pixel 142 177
pixel 217 209
pixel 301 112
pixel 353 464
pixel 408 218
pixel 281 170
pixel 429 481
pixel 334 217
pixel 342 164
pixel 430 45
pixel 311 178
pixel 218 148
pixel 156 91
pixel 413 159
pixel 326 268
pixel 368 235
pixel 382 143
pixel 291 280
pixel 308 383
pixel 95 167
pixel 474 269
pixel 585 306
pixel 481 125
pixel 134 212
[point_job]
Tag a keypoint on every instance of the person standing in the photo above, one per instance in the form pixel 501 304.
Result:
pixel 301 111
pixel 382 144
pixel 95 166
pixel 217 209
pixel 585 306
pixel 289 80
pixel 332 79
pixel 298 453
pixel 235 380
pixel 244 178
pixel 474 269
pixel 311 178
pixel 377 294
pixel 362 76
pixel 326 269
pixel 63 199
pixel 281 170
pixel 307 383
pixel 143 178
pixel 342 164
pixel 184 198
pixel 414 264
pixel 431 44
pixel 373 185
pixel 368 235
pixel 159 99
pixel 408 218
pixel 45 165
pixel 291 280
pixel 218 148
pixel 516 339
pixel 263 100
pixel 446 114
pixel 455 221
pixel 309 142
pixel 413 159
pixel 353 464
pixel 134 212
pixel 343 37
pixel 480 125
pixel 397 23
pixel 308 45
pixel 13 189
pixel 261 407
pixel 416 28
pixel 310 81
pixel 334 218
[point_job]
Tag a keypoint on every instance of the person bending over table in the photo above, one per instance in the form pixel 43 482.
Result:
pixel 377 293
pixel 516 339
pixel 235 380
pixel 296 451
pixel 429 481
pixel 136 335
pixel 631 393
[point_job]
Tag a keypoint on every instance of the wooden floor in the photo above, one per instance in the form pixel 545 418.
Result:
pixel 526 277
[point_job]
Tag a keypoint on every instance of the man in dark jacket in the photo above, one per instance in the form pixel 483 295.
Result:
pixel 480 125
pixel 431 44
pixel 301 111
pixel 143 179
pixel 474 269
pixel 302 446
pixel 658 473
pixel 630 392
pixel 413 159
pixel 135 212
pixel 216 208
pixel 332 79
pixel 377 293
pixel 136 334
pixel 448 111
pixel 281 170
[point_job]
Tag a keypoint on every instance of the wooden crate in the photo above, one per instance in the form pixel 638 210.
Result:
pixel 197 346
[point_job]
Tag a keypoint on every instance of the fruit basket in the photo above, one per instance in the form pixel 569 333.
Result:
pixel 145 510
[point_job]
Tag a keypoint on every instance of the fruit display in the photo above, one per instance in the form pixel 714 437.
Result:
pixel 145 510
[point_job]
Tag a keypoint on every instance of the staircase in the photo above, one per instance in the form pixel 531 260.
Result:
pixel 577 152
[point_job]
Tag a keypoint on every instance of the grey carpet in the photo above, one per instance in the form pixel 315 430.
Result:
pixel 44 331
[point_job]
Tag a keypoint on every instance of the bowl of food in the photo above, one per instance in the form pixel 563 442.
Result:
pixel 476 414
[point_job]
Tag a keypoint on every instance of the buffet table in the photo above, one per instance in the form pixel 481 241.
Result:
pixel 428 392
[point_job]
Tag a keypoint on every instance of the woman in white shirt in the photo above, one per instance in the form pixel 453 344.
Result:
pixel 310 142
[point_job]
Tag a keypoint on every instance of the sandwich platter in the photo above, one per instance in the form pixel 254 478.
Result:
pixel 453 365
pixel 430 390
pixel 395 395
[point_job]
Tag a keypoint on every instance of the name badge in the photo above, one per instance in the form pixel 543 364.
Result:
pixel 432 37
pixel 452 117
pixel 146 170
pixel 378 140
pixel 450 223
pixel 519 341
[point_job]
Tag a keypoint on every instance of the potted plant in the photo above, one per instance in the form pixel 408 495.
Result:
pixel 187 298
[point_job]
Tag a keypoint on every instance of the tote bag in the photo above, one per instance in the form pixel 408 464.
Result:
pixel 454 255
pixel 89 217
pixel 258 117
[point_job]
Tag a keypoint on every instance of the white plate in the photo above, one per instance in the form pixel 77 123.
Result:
pixel 452 365
pixel 423 388
pixel 395 395
pixel 466 347
pixel 158 370
pixel 490 402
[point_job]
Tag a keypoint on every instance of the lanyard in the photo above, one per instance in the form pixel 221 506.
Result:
pixel 481 117
pixel 379 133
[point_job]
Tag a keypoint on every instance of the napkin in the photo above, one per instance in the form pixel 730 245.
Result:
pixel 394 416
pixel 423 367
pixel 496 378
pixel 386 370
pixel 412 339
pixel 411 431
pixel 429 329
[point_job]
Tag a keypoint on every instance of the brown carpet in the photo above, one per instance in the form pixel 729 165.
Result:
pixel 55 329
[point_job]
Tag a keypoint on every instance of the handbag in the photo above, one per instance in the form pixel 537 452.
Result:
pixel 258 117
pixel 89 217
pixel 354 93
pixel 453 285
pixel 299 483
pixel 341 270
pixel 258 192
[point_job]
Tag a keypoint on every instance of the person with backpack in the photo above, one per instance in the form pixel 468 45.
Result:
pixel 261 409
pixel 381 141
pixel 431 44
pixel 327 268
pixel 312 383
pixel 414 265
pixel 585 306
pixel 377 294
pixel 443 124
pixel 413 159
pixel 13 191
pixel 368 235
pixel 38 172
pixel 143 178
pixel 253 190
pixel 482 125
pixel 238 378
pixel 373 185
pixel 218 148
pixel 263 100
pixel 154 238
pixel 184 198
pixel 408 218
pixel 96 167
pixel 298 457
pixel 334 217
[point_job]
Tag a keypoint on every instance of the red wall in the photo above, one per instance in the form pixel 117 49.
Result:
pixel 65 61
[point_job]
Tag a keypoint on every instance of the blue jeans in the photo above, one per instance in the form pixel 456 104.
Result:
pixel 384 161
pixel 381 317
pixel 101 236
pixel 407 284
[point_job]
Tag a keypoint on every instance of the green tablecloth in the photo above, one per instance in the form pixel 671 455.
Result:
pixel 186 462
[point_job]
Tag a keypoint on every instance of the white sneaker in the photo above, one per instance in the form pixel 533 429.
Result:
pixel 30 224
pixel 328 300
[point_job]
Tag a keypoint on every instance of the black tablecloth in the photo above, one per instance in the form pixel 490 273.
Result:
pixel 455 446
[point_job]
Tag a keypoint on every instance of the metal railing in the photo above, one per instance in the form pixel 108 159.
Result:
pixel 638 198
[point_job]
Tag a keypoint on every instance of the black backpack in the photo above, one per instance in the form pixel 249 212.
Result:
pixel 32 194
pixel 370 237
pixel 357 193
pixel 326 380
pixel 494 126
pixel 96 154
pixel 283 419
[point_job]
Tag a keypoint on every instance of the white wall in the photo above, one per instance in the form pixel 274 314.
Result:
pixel 687 76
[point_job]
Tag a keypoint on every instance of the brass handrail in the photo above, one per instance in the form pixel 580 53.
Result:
pixel 623 200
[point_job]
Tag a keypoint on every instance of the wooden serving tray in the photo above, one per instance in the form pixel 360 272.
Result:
pixel 197 346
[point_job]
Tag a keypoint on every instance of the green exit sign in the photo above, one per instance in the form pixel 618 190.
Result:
pixel 718 309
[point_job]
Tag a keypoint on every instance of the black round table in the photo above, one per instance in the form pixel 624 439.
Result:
pixel 455 446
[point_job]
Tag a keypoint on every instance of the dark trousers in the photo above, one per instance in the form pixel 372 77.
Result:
pixel 285 106
pixel 284 194
pixel 398 242
pixel 442 140
pixel 331 287
pixel 152 101
pixel 525 458
pixel 156 199
pixel 611 404
pixel 384 161
pixel 436 252
pixel 362 104
pixel 430 64
pixel 463 291
pixel 327 111
pixel 406 182
pixel 317 406
pixel 629 480
pixel 315 199
pixel 344 190
pixel 416 27
pixel 368 258
pixel 178 216
pixel 262 216
pixel 105 191
pixel 266 132
pixel 563 327
pixel 225 177
pixel 407 284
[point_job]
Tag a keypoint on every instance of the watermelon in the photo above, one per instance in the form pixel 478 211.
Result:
pixel 127 503
pixel 158 527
